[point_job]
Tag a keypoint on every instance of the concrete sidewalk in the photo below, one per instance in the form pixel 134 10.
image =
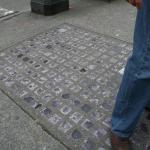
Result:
pixel 20 132
pixel 116 19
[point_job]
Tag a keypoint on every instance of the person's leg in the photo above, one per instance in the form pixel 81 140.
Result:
pixel 131 100
pixel 147 108
pixel 148 105
pixel 134 94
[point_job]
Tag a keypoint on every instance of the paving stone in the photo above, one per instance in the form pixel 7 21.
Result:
pixel 67 78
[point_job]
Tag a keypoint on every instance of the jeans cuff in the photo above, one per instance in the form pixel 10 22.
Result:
pixel 121 135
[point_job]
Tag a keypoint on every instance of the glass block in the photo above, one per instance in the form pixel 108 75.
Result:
pixel 46 112
pixel 107 122
pixel 100 133
pixel 65 110
pixel 89 144
pixel 31 101
pixel 54 119
pixel 57 90
pixel 76 135
pixel 86 108
pixel 32 86
pixel 47 97
pixel 65 126
pixel 25 81
pixel 42 80
pixel 87 124
pixel 76 117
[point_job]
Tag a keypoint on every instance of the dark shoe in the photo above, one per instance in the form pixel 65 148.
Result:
pixel 119 143
pixel 147 109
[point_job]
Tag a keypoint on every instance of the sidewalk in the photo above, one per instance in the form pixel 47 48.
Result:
pixel 20 132
pixel 71 95
pixel 115 19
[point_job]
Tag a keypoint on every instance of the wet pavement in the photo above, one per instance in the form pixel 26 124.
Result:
pixel 67 79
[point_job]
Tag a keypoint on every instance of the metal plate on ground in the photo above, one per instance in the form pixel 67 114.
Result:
pixel 5 12
pixel 67 79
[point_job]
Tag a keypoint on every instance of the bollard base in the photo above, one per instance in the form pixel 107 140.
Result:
pixel 49 9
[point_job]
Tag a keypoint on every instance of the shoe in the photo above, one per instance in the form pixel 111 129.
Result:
pixel 118 143
pixel 147 109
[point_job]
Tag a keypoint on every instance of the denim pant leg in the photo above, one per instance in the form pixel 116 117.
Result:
pixel 134 93
pixel 132 98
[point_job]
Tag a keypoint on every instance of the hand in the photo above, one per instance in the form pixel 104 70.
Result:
pixel 136 3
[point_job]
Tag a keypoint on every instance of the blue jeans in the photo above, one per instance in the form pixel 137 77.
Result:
pixel 134 92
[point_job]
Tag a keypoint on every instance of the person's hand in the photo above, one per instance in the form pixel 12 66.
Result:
pixel 136 3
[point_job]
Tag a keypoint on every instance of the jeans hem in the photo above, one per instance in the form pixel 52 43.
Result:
pixel 121 135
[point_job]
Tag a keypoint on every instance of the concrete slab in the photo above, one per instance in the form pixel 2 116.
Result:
pixel 20 5
pixel 63 79
pixel 20 132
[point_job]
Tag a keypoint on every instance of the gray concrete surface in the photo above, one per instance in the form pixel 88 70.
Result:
pixel 18 5
pixel 19 132
pixel 115 19
pixel 67 79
